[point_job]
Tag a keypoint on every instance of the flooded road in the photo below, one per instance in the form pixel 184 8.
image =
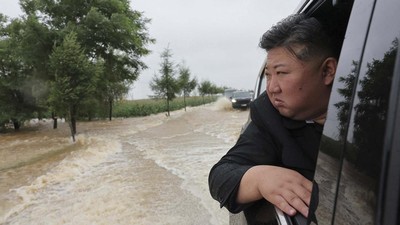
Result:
pixel 148 170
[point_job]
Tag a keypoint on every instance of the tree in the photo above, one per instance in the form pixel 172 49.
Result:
pixel 208 88
pixel 344 107
pixel 16 100
pixel 217 90
pixel 205 88
pixel 107 30
pixel 75 79
pixel 369 110
pixel 373 96
pixel 186 84
pixel 112 36
pixel 165 86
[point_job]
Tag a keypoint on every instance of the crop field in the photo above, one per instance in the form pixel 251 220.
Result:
pixel 145 107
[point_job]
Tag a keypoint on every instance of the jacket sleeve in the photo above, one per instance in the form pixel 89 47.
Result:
pixel 253 147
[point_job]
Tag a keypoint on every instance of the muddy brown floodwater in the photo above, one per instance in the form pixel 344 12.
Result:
pixel 148 170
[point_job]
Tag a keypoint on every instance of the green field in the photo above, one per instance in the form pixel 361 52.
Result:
pixel 145 107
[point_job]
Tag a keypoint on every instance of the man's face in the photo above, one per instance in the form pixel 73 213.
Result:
pixel 297 89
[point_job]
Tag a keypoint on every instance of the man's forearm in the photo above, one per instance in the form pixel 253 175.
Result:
pixel 248 189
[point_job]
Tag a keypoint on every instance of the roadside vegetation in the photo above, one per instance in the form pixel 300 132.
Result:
pixel 59 55
pixel 65 59
pixel 175 80
pixel 145 107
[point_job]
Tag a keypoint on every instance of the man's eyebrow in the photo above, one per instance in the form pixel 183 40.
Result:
pixel 276 66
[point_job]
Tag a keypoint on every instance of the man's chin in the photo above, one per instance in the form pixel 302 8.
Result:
pixel 285 113
pixel 290 115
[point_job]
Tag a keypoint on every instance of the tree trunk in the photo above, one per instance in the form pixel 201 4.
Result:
pixel 184 100
pixel 167 107
pixel 72 122
pixel 40 115
pixel 16 124
pixel 55 123
pixel 53 115
pixel 72 132
pixel 110 109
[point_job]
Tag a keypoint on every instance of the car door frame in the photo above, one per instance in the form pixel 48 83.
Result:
pixel 389 196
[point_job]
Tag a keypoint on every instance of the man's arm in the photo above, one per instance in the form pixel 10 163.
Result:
pixel 252 148
pixel 285 188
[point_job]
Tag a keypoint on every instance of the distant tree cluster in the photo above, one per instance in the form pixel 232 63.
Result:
pixel 176 80
pixel 69 57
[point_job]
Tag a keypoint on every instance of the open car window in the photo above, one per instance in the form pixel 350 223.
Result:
pixel 336 18
pixel 351 171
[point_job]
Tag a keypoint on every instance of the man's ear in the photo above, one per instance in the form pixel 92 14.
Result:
pixel 329 70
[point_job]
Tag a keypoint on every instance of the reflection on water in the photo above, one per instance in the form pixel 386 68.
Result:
pixel 149 170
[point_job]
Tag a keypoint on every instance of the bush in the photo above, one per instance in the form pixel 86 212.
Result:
pixel 145 107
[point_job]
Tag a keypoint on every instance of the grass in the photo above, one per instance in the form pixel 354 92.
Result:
pixel 145 107
pixel 136 108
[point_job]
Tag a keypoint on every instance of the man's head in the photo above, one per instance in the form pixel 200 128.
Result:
pixel 303 36
pixel 301 64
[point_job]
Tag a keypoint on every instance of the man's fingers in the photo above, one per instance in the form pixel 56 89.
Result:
pixel 307 184
pixel 290 202
pixel 299 205
pixel 283 205
pixel 303 189
pixel 287 189
pixel 298 202
pixel 303 194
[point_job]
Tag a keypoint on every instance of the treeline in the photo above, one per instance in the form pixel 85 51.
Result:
pixel 76 59
pixel 145 107
pixel 64 57
pixel 174 80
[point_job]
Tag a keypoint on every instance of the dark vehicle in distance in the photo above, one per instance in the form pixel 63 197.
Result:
pixel 229 92
pixel 241 99
pixel 357 177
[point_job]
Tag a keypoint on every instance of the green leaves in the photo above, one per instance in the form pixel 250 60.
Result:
pixel 206 87
pixel 65 47
pixel 186 84
pixel 166 85
pixel 74 75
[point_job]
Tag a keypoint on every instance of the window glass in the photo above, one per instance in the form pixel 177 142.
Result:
pixel 260 83
pixel 358 189
pixel 333 138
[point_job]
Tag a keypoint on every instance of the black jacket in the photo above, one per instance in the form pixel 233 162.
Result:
pixel 269 139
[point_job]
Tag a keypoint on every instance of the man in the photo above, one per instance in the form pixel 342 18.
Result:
pixel 274 158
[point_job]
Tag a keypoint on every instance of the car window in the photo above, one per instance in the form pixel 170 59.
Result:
pixel 242 94
pixel 389 200
pixel 260 82
pixel 335 129
pixel 354 147
pixel 359 185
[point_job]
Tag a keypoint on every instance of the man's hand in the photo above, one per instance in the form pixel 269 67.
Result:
pixel 286 189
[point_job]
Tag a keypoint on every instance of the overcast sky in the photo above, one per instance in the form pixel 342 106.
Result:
pixel 217 39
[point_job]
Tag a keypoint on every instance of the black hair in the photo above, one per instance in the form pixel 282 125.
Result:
pixel 300 31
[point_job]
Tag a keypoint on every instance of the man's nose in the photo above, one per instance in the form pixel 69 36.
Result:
pixel 272 85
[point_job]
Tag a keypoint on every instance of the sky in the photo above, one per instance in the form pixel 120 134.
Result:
pixel 216 39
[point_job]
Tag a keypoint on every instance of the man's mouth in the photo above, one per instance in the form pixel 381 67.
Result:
pixel 278 102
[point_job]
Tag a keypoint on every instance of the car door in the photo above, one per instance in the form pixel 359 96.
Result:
pixel 358 164
pixel 335 16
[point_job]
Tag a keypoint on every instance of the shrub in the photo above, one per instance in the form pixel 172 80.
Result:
pixel 145 107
